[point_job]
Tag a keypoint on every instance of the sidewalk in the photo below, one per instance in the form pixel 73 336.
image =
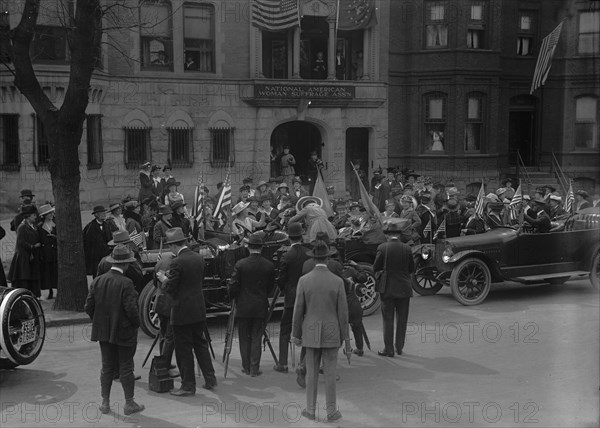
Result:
pixel 53 317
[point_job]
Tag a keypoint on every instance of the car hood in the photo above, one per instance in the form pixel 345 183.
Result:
pixel 495 236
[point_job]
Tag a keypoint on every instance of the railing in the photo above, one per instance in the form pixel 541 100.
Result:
pixel 521 165
pixel 562 178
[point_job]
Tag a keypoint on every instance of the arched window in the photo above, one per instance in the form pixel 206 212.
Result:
pixel 156 35
pixel 586 122
pixel 435 107
pixel 137 143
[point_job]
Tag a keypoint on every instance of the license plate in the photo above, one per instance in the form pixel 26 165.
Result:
pixel 28 333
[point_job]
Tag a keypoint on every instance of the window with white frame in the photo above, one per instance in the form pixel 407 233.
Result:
pixel 586 123
pixel 435 122
pixel 474 124
pixel 436 25
pixel 589 32
pixel 9 142
pixel 94 141
pixel 525 32
pixel 199 37
pixel 156 35
pixel 476 37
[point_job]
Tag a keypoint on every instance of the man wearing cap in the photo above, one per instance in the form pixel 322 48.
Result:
pixel 395 258
pixel 320 324
pixel 541 223
pixel 314 168
pixel 287 165
pixel 165 214
pixel 183 283
pixel 112 304
pixel 556 209
pixel 251 283
pixel 290 271
pixel 96 235
pixel 145 182
pixel 26 201
pixel 581 199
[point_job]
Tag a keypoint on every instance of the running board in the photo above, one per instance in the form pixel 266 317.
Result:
pixel 538 278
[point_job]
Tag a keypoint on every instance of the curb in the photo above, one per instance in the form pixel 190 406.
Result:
pixel 67 321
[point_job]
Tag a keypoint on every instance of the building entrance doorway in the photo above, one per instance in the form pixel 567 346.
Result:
pixel 521 131
pixel 302 138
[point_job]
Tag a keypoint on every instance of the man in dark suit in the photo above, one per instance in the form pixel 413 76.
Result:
pixel 541 223
pixel 251 283
pixel 320 324
pixel 112 304
pixel 395 258
pixel 26 201
pixel 96 235
pixel 188 313
pixel 290 271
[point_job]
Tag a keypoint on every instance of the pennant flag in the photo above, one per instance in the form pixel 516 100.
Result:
pixel 356 14
pixel 427 229
pixel 321 192
pixel 198 207
pixel 441 229
pixel 275 15
pixel 515 204
pixel 544 61
pixel 138 239
pixel 479 202
pixel 224 203
pixel 570 200
pixel 366 199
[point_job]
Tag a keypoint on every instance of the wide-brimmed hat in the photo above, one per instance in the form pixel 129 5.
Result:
pixel 121 254
pixel 239 207
pixel 27 193
pixel 493 197
pixel 131 205
pixel 320 249
pixel 164 210
pixel 172 182
pixel 501 191
pixel 174 235
pixel 305 200
pixel 451 191
pixel 98 209
pixel 283 185
pixel 583 194
pixel 177 204
pixel 45 209
pixel 114 206
pixel 256 239
pixel 262 183
pixel 120 237
pixel 295 230
pixel 412 174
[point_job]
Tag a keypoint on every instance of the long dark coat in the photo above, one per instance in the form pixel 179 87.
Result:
pixel 145 187
pixel 252 280
pixel 48 259
pixel 26 261
pixel 95 245
pixel 399 265
pixel 290 271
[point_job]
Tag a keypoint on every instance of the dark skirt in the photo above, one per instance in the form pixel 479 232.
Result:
pixel 49 275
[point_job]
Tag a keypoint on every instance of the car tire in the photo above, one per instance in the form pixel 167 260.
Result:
pixel 148 318
pixel 17 306
pixel 425 282
pixel 595 270
pixel 369 301
pixel 470 281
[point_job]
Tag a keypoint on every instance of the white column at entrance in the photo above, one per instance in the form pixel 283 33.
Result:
pixel 366 54
pixel 331 50
pixel 296 54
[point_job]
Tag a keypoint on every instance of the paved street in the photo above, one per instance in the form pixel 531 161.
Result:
pixel 528 356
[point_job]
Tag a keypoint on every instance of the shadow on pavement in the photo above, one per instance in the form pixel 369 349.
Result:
pixel 44 387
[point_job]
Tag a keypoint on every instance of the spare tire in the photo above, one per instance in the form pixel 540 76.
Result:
pixel 23 328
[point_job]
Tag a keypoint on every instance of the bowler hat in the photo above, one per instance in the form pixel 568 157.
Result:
pixel 305 200
pixel 177 204
pixel 174 235
pixel 164 210
pixel 256 239
pixel 98 209
pixel 120 237
pixel 172 182
pixel 320 249
pixel 295 230
pixel 45 209
pixel 121 254
pixel 26 193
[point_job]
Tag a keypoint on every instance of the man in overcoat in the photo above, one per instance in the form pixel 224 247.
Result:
pixel 395 258
pixel 96 235
pixel 251 283
pixel 112 304
pixel 183 283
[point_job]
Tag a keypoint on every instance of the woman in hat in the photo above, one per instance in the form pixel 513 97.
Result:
pixel 242 225
pixel 179 218
pixel 133 220
pixel 172 193
pixel 252 210
pixel 282 191
pixel 287 164
pixel 408 212
pixel 582 197
pixel 145 182
pixel 309 209
pixel 49 250
pixel 390 206
pixel 117 219
pixel 25 266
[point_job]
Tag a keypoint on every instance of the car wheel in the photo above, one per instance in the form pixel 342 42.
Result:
pixel 148 318
pixel 470 281
pixel 425 281
pixel 369 299
pixel 595 270
pixel 23 328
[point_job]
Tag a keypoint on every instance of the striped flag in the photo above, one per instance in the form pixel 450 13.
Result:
pixel 479 201
pixel 441 229
pixel 138 239
pixel 570 200
pixel 198 207
pixel 366 199
pixel 275 15
pixel 544 61
pixel 427 229
pixel 516 204
pixel 224 203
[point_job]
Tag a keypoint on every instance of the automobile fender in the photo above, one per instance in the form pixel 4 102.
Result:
pixel 491 264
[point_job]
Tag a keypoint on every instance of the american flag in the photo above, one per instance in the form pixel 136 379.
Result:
pixel 570 200
pixel 479 201
pixel 544 61
pixel 224 203
pixel 198 208
pixel 275 15
pixel 515 204
pixel 138 239
pixel 427 229
pixel 441 229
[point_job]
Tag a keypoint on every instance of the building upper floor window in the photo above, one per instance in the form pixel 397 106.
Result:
pixel 476 27
pixel 156 35
pixel 525 33
pixel 9 142
pixel 589 32
pixel 474 124
pixel 199 38
pixel 49 44
pixel 94 141
pixel 41 152
pixel 137 145
pixel 436 25
pixel 586 123
pixel 435 122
